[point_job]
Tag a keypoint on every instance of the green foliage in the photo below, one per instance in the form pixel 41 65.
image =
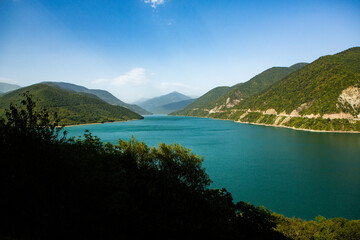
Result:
pixel 311 88
pixel 252 117
pixel 102 94
pixel 321 228
pixel 235 115
pixel 318 84
pixel 71 108
pixel 324 124
pixel 219 96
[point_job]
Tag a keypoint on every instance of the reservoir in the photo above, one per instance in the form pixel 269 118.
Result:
pixel 295 173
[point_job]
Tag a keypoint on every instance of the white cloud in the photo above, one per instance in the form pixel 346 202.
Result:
pixel 154 3
pixel 135 77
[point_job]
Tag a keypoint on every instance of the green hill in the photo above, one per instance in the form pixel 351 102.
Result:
pixel 239 92
pixel 102 94
pixel 324 95
pixel 72 107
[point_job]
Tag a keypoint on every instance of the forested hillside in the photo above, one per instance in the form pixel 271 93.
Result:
pixel 323 95
pixel 238 92
pixel 102 94
pixel 71 107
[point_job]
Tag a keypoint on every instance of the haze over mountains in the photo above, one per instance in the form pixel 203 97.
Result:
pixel 322 95
pixel 166 103
pixel 7 87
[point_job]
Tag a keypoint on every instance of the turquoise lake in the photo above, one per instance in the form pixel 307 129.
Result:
pixel 295 173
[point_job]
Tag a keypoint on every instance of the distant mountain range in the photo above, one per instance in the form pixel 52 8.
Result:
pixel 322 95
pixel 7 87
pixel 72 107
pixel 166 103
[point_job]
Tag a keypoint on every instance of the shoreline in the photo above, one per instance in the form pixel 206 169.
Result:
pixel 293 128
pixel 251 123
pixel 82 124
pixel 278 126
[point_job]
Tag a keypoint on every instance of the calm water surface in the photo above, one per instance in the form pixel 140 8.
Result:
pixel 295 173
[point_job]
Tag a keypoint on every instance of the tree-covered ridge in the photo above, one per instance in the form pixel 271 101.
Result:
pixel 258 83
pixel 54 187
pixel 323 95
pixel 239 92
pixel 102 94
pixel 72 107
pixel 317 86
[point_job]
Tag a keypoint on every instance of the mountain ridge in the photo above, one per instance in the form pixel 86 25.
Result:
pixel 102 94
pixel 241 91
pixel 71 107
pixel 159 101
pixel 323 96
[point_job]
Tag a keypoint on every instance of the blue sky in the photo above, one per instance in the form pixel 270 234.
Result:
pixel 145 48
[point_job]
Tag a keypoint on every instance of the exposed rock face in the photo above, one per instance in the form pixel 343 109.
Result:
pixel 313 115
pixel 338 116
pixel 351 95
pixel 243 115
pixel 295 113
pixel 230 103
pixel 270 111
pixel 303 107
pixel 216 109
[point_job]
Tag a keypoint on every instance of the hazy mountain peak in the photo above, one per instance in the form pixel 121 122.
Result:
pixel 156 102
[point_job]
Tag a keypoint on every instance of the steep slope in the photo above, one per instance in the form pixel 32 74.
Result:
pixel 156 102
pixel 102 94
pixel 242 91
pixel 72 107
pixel 7 87
pixel 203 102
pixel 324 95
pixel 171 107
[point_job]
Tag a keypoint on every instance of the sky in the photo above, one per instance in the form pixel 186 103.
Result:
pixel 145 48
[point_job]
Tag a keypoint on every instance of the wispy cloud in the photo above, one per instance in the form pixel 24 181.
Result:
pixel 135 76
pixel 154 3
pixel 8 80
